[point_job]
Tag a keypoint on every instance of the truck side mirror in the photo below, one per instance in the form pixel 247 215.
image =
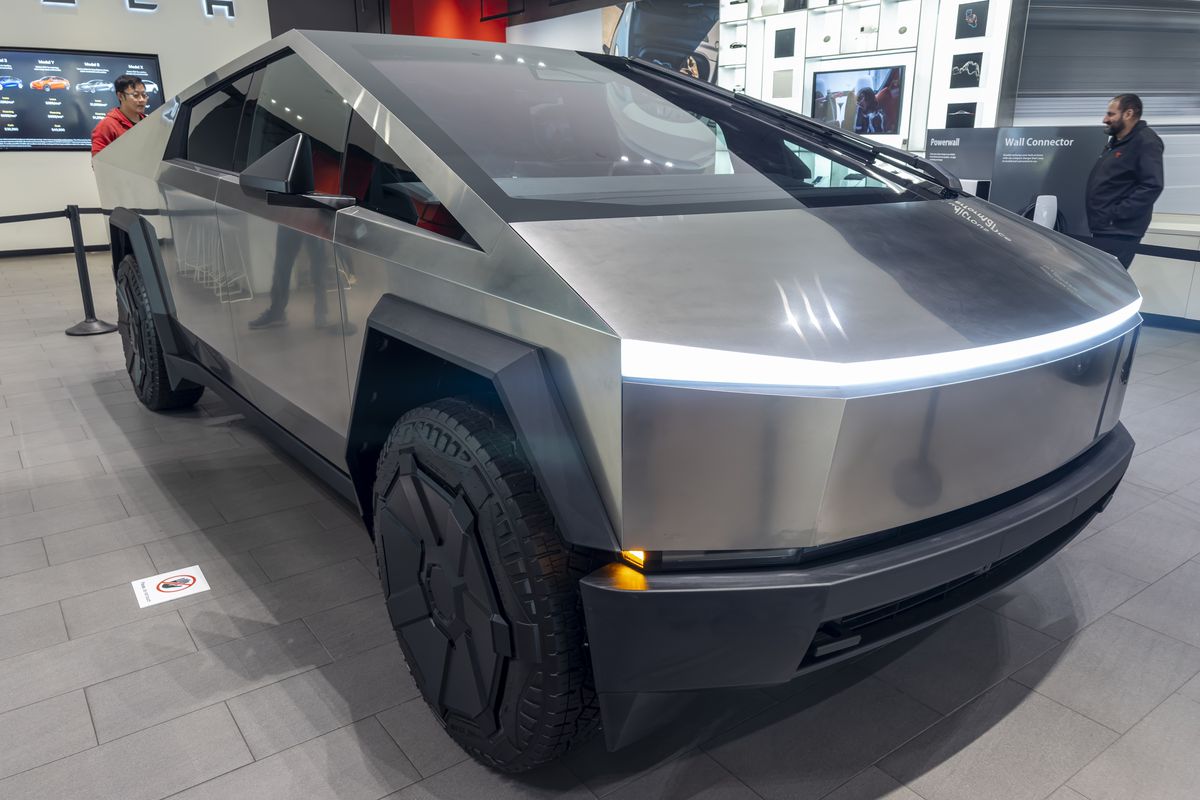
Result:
pixel 286 169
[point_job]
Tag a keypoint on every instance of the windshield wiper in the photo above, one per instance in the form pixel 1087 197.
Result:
pixel 855 146
pixel 867 151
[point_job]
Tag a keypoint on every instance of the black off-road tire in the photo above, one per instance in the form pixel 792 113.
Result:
pixel 481 588
pixel 143 352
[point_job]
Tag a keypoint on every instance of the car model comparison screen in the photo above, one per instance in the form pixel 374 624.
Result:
pixel 51 99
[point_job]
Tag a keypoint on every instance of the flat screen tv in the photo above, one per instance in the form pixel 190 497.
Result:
pixel 866 101
pixel 51 99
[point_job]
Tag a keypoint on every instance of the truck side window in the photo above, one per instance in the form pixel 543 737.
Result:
pixel 292 98
pixel 383 183
pixel 213 124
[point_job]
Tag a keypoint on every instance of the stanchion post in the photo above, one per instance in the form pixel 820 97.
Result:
pixel 90 325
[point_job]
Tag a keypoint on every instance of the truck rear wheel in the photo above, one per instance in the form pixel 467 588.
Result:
pixel 144 359
pixel 481 588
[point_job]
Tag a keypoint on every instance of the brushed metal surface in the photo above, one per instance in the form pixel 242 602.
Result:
pixel 1118 384
pixel 388 257
pixel 282 257
pixel 706 469
pixel 851 283
pixel 908 456
pixel 681 467
pixel 720 470
pixel 192 255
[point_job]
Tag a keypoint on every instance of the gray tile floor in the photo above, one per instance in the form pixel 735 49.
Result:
pixel 1080 681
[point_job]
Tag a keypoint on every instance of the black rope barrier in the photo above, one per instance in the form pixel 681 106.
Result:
pixel 32 217
pixel 1160 251
pixel 90 326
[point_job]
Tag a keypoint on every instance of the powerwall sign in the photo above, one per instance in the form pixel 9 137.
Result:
pixel 210 8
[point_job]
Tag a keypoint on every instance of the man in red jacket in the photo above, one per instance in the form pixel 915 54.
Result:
pixel 131 96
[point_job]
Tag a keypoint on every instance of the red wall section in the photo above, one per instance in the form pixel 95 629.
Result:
pixel 451 19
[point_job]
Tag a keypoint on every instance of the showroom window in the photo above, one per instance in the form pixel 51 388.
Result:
pixel 213 124
pixel 382 182
pixel 292 98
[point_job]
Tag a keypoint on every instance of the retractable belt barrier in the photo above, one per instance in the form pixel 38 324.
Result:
pixel 91 326
pixel 1159 251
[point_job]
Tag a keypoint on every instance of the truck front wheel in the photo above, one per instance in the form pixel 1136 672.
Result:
pixel 481 588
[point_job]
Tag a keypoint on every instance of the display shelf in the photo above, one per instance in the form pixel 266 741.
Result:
pixel 860 28
pixel 780 31
pixel 734 43
pixel 899 22
pixel 732 77
pixel 734 10
pixel 824 32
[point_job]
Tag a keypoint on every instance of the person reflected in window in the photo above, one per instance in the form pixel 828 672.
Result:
pixel 288 244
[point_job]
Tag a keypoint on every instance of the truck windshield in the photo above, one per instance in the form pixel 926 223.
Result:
pixel 551 134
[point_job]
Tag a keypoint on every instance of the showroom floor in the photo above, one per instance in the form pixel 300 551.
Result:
pixel 284 681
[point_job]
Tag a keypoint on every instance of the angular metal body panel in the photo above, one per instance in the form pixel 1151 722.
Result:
pixel 390 258
pixel 842 284
pixel 683 466
pixel 711 469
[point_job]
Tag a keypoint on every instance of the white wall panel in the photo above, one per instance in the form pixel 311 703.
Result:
pixel 188 44
pixel 582 31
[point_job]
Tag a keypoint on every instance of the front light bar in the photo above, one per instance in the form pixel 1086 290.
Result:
pixel 654 361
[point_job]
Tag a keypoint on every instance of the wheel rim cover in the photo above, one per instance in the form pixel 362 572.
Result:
pixel 440 593
pixel 130 324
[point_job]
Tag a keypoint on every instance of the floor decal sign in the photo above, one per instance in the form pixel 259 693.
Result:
pixel 169 586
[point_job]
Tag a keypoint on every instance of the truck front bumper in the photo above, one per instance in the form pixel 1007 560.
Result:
pixel 671 632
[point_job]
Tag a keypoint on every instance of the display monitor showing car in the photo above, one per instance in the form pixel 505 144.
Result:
pixel 866 101
pixel 640 388
pixel 50 83
pixel 94 85
pixel 69 92
pixel 151 86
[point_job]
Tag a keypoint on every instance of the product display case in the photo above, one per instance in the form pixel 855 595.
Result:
pixel 904 65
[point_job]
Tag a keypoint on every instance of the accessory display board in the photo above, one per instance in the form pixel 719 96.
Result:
pixel 966 153
pixel 52 99
pixel 1023 163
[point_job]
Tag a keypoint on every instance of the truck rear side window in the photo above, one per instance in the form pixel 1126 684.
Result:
pixel 213 124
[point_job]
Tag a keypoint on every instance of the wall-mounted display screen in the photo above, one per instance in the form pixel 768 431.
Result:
pixel 51 99
pixel 861 100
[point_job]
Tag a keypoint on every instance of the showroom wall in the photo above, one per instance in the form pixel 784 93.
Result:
pixel 1079 53
pixel 188 43
pixel 368 16
pixel 451 19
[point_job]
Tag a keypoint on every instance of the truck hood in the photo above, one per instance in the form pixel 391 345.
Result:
pixel 842 284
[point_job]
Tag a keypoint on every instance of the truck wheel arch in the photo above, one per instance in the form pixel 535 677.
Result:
pixel 413 355
pixel 132 234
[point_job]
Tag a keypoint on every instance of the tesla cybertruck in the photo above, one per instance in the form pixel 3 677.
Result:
pixel 641 387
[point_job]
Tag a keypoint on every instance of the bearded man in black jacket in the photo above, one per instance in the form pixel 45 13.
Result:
pixel 1126 180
